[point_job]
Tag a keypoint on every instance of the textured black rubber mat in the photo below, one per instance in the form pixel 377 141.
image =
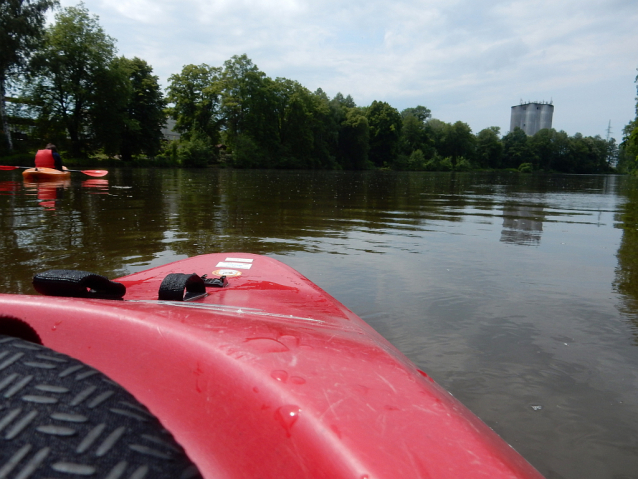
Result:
pixel 62 419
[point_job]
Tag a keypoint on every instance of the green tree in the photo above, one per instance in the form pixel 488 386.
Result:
pixel 451 141
pixel 628 149
pixel 385 124
pixel 588 154
pixel 280 121
pixel 21 29
pixel 76 82
pixel 351 131
pixel 416 161
pixel 145 116
pixel 107 115
pixel 435 130
pixel 414 132
pixel 247 100
pixel 354 141
pixel 549 149
pixel 195 98
pixel 281 124
pixel 275 123
pixel 632 145
pixel 516 149
pixel 326 131
pixel 628 154
pixel 489 149
pixel 346 101
pixel 195 149
pixel 421 113
pixel 305 127
pixel 456 141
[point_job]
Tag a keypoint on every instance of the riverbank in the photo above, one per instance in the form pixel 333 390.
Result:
pixel 102 161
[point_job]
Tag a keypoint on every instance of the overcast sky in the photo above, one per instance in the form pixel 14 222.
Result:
pixel 467 60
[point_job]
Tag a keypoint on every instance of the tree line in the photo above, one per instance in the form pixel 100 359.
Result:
pixel 628 155
pixel 72 89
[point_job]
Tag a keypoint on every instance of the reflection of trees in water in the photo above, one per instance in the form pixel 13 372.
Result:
pixel 283 211
pixel 522 224
pixel 143 216
pixel 626 278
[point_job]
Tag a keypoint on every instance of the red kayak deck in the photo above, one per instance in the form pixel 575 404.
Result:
pixel 271 377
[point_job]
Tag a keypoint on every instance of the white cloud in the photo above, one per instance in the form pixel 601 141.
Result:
pixel 466 60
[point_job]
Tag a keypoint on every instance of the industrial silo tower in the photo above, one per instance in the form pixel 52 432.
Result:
pixel 532 116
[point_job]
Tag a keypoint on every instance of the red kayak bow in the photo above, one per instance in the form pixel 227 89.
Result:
pixel 255 370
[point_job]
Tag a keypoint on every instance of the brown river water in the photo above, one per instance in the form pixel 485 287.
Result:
pixel 517 293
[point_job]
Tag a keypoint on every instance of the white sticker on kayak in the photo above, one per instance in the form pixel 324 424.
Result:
pixel 239 260
pixel 229 273
pixel 224 264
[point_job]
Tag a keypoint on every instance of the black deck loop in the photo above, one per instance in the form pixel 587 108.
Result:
pixel 77 284
pixel 181 287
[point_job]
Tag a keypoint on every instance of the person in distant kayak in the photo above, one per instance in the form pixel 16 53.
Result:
pixel 48 158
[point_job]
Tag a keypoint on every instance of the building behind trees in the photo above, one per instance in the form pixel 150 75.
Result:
pixel 532 117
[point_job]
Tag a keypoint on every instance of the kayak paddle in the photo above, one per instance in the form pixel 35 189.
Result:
pixel 96 173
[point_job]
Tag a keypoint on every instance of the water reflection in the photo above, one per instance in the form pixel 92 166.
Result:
pixel 141 216
pixel 522 224
pixel 9 188
pixel 425 258
pixel 47 191
pixel 97 186
pixel 626 277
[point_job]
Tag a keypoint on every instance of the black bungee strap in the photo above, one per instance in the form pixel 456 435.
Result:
pixel 77 284
pixel 184 287
pixel 181 287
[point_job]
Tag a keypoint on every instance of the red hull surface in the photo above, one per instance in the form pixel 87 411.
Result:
pixel 271 377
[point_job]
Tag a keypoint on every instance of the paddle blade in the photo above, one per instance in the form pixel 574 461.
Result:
pixel 96 173
pixel 7 168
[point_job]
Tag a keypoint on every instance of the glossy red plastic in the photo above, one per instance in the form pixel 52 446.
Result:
pixel 271 377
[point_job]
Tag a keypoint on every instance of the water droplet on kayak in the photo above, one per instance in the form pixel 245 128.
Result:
pixel 280 375
pixel 287 416
pixel 289 340
pixel 267 345
pixel 297 380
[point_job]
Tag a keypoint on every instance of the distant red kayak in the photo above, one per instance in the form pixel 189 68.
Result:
pixel 257 372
